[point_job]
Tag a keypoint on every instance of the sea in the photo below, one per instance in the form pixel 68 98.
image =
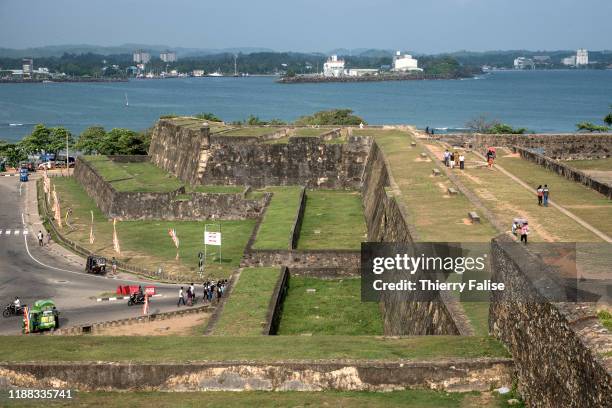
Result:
pixel 541 101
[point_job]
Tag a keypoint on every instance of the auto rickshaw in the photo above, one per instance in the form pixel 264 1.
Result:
pixel 42 315
pixel 95 264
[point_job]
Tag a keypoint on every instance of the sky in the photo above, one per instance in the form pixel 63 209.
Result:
pixel 427 26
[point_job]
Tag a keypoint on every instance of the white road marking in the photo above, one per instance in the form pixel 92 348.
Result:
pixel 25 232
pixel 20 185
pixel 25 240
pixel 7 232
pixel 16 232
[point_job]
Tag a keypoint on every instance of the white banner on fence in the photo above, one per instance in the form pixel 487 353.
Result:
pixel 212 238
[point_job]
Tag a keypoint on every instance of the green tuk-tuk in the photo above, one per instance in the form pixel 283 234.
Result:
pixel 42 315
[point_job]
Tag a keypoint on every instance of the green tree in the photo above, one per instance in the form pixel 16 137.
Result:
pixel 337 117
pixel 89 141
pixel 590 127
pixel 58 137
pixel 13 154
pixel 208 116
pixel 608 118
pixel 131 143
pixel 38 141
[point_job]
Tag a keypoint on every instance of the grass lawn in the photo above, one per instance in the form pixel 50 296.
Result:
pixel 134 177
pixel 278 219
pixel 256 348
pixel 244 313
pixel 332 220
pixel 250 131
pixel 307 132
pixel 435 215
pixel 606 319
pixel 595 164
pixel 584 202
pixel 147 243
pixel 408 398
pixel 335 308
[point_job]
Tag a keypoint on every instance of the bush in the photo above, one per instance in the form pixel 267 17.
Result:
pixel 590 127
pixel 208 116
pixel 334 117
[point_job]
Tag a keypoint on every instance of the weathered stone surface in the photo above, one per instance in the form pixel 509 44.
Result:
pixel 557 360
pixel 345 260
pixel 457 375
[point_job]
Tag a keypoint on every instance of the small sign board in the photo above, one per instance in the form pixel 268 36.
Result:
pixel 149 290
pixel 212 238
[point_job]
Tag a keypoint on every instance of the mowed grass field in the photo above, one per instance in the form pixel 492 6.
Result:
pixel 595 164
pixel 147 243
pixel 279 218
pixel 333 219
pixel 334 308
pixel 255 348
pixel 134 177
pixel 591 206
pixel 436 216
pixel 409 398
pixel 244 314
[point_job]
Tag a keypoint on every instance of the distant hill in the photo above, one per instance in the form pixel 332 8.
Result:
pixel 59 50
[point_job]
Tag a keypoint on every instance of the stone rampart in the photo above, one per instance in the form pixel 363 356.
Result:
pixel 275 308
pixel 174 205
pixel 297 223
pixel 556 146
pixel 453 375
pixel 557 347
pixel 386 222
pixel 344 260
pixel 566 171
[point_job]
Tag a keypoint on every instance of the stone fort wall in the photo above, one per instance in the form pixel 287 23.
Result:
pixel 556 146
pixel 197 157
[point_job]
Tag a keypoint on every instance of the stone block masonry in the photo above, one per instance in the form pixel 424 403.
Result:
pixel 557 347
pixel 458 375
pixel 175 205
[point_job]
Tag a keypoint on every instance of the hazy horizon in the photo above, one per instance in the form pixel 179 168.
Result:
pixel 312 26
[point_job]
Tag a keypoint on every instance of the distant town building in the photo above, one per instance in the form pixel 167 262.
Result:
pixel 334 67
pixel 27 66
pixel 541 60
pixel 523 63
pixel 168 56
pixel 198 73
pixel 569 61
pixel 582 57
pixel 405 63
pixel 359 72
pixel 141 57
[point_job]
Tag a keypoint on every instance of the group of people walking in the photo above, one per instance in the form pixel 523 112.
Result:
pixel 521 227
pixel 452 159
pixel 543 193
pixel 212 290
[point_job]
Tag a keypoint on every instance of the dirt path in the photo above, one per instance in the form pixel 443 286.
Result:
pixel 185 325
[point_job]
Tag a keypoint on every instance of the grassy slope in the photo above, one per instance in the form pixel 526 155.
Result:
pixel 278 220
pixel 435 216
pixel 410 398
pixel 338 218
pixel 244 314
pixel 134 177
pixel 587 204
pixel 257 348
pixel 147 243
pixel 335 308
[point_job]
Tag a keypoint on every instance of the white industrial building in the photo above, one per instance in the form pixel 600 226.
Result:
pixel 359 72
pixel 168 56
pixel 334 67
pixel 141 57
pixel 405 63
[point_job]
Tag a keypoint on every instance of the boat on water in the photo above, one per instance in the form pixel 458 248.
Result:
pixel 15 124
pixel 127 102
pixel 216 74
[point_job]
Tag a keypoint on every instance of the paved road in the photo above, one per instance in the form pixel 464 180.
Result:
pixel 34 273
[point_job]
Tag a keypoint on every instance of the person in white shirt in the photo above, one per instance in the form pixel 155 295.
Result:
pixel 461 161
pixel 181 298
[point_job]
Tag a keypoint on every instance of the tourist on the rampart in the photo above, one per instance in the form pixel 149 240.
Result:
pixel 451 160
pixel 524 232
pixel 181 298
pixel 446 157
pixel 490 157
pixel 545 193
pixel 461 161
pixel 540 192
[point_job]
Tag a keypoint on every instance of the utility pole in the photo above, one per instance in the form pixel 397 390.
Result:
pixel 235 64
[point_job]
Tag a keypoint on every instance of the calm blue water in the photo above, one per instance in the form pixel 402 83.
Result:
pixel 543 101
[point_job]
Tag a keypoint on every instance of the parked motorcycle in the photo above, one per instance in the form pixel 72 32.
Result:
pixel 12 310
pixel 136 299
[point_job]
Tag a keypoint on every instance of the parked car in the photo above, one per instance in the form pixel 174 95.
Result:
pixel 47 165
